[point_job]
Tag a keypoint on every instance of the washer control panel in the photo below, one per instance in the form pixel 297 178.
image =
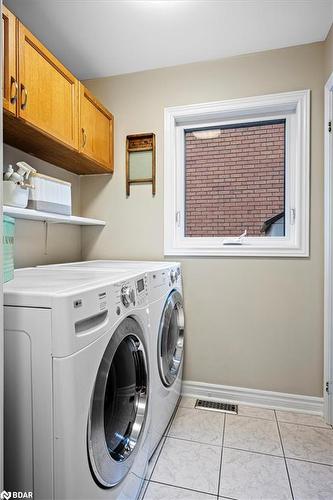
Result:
pixel 127 295
pixel 131 293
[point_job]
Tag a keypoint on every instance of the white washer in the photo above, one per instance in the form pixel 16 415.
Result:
pixel 166 315
pixel 76 384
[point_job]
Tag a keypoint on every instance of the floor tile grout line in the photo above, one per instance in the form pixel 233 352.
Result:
pixel 183 487
pixel 221 457
pixel 169 436
pixel 193 441
pixel 284 456
pixel 305 425
pixel 308 461
pixel 253 451
pixel 252 416
pixel 143 490
pixel 278 456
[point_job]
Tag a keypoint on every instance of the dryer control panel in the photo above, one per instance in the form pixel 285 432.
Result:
pixel 163 280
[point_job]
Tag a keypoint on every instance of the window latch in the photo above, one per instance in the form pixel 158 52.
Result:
pixel 178 218
pixel 235 241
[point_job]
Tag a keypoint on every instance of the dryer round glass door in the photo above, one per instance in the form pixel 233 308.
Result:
pixel 119 405
pixel 171 338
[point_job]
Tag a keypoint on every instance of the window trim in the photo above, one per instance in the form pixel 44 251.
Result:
pixel 295 107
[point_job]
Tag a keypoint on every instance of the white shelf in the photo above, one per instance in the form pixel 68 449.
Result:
pixel 27 213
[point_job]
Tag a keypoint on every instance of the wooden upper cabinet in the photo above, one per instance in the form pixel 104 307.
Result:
pixel 48 113
pixel 96 130
pixel 48 92
pixel 9 67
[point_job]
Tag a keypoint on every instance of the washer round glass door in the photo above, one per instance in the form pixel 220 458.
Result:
pixel 119 405
pixel 171 338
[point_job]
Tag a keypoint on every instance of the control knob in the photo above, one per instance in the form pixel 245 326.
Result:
pixel 127 295
pixel 173 276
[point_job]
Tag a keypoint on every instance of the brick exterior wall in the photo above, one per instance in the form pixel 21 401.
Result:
pixel 235 181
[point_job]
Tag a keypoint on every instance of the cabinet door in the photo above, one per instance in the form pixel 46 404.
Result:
pixel 48 94
pixel 9 70
pixel 96 130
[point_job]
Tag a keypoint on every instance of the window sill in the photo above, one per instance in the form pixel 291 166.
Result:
pixel 239 251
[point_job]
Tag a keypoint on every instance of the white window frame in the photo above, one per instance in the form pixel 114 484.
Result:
pixel 294 107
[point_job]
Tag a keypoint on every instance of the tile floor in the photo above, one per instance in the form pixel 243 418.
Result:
pixel 259 454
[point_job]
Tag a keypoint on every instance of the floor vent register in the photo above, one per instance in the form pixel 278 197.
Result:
pixel 201 404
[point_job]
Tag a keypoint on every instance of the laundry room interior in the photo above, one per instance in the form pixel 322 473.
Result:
pixel 167 250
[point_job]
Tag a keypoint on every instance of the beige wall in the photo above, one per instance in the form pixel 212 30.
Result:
pixel 251 322
pixel 64 241
pixel 328 52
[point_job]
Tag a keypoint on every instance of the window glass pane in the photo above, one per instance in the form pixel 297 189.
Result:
pixel 235 180
pixel 140 165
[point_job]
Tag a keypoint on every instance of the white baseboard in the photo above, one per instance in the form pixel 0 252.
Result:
pixel 255 397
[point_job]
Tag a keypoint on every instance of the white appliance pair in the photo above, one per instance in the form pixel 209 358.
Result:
pixel 166 333
pixel 79 380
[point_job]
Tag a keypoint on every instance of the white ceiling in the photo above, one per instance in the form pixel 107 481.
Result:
pixel 96 38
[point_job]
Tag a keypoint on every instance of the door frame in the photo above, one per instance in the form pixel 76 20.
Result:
pixel 328 251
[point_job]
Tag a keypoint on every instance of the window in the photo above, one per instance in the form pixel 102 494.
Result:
pixel 234 180
pixel 237 177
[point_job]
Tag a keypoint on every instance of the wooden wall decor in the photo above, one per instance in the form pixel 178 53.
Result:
pixel 140 161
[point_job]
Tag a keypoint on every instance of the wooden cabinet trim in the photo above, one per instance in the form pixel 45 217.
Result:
pixel 9 60
pixel 44 52
pixel 85 92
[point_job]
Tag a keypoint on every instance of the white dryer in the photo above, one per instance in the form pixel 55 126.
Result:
pixel 167 323
pixel 77 384
pixel 166 318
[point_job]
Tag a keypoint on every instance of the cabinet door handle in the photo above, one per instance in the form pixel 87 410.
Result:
pixel 13 83
pixel 25 92
pixel 84 137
